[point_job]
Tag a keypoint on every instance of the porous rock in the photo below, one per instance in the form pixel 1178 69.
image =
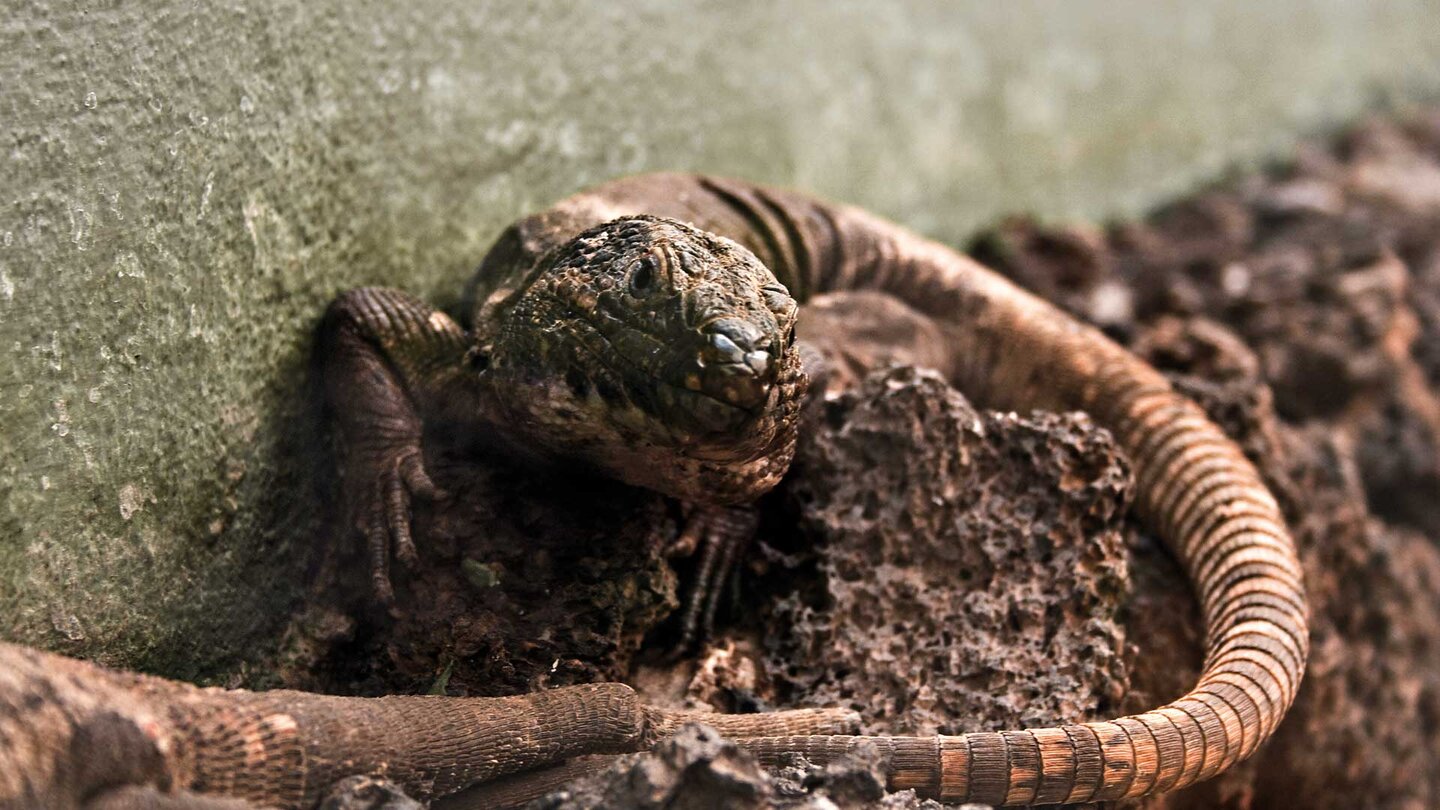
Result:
pixel 970 565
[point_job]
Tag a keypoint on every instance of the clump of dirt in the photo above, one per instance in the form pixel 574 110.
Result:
pixel 697 768
pixel 367 793
pixel 524 582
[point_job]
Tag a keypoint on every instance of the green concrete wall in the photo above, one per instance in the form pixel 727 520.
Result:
pixel 186 185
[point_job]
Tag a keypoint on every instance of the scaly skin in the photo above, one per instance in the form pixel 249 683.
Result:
pixel 608 332
pixel 74 735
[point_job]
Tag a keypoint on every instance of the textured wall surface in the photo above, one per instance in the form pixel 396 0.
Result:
pixel 185 185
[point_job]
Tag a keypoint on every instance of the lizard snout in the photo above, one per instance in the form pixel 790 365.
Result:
pixel 736 362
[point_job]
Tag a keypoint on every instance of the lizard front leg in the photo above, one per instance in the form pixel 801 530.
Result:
pixel 721 534
pixel 387 360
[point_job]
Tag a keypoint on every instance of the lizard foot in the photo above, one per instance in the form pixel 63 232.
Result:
pixel 382 517
pixel 721 533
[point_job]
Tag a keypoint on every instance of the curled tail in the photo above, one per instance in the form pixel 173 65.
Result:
pixel 1195 489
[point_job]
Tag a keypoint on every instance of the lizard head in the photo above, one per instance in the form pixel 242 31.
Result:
pixel 661 354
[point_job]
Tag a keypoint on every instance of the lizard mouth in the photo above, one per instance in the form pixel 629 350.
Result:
pixel 721 431
pixel 705 417
pixel 702 396
pixel 699 423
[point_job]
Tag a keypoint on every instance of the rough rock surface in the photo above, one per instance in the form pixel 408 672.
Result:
pixel 970 566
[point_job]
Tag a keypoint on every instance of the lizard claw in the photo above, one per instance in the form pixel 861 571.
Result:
pixel 384 522
pixel 722 534
pixel 412 469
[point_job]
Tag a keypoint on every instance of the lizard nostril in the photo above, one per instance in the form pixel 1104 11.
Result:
pixel 738 331
pixel 724 349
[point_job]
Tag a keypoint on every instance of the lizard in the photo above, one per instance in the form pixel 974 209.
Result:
pixel 644 330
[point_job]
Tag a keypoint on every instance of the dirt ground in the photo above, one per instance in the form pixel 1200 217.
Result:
pixel 943 568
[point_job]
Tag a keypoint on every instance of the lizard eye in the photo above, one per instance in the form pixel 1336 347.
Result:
pixel 643 276
pixel 778 299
